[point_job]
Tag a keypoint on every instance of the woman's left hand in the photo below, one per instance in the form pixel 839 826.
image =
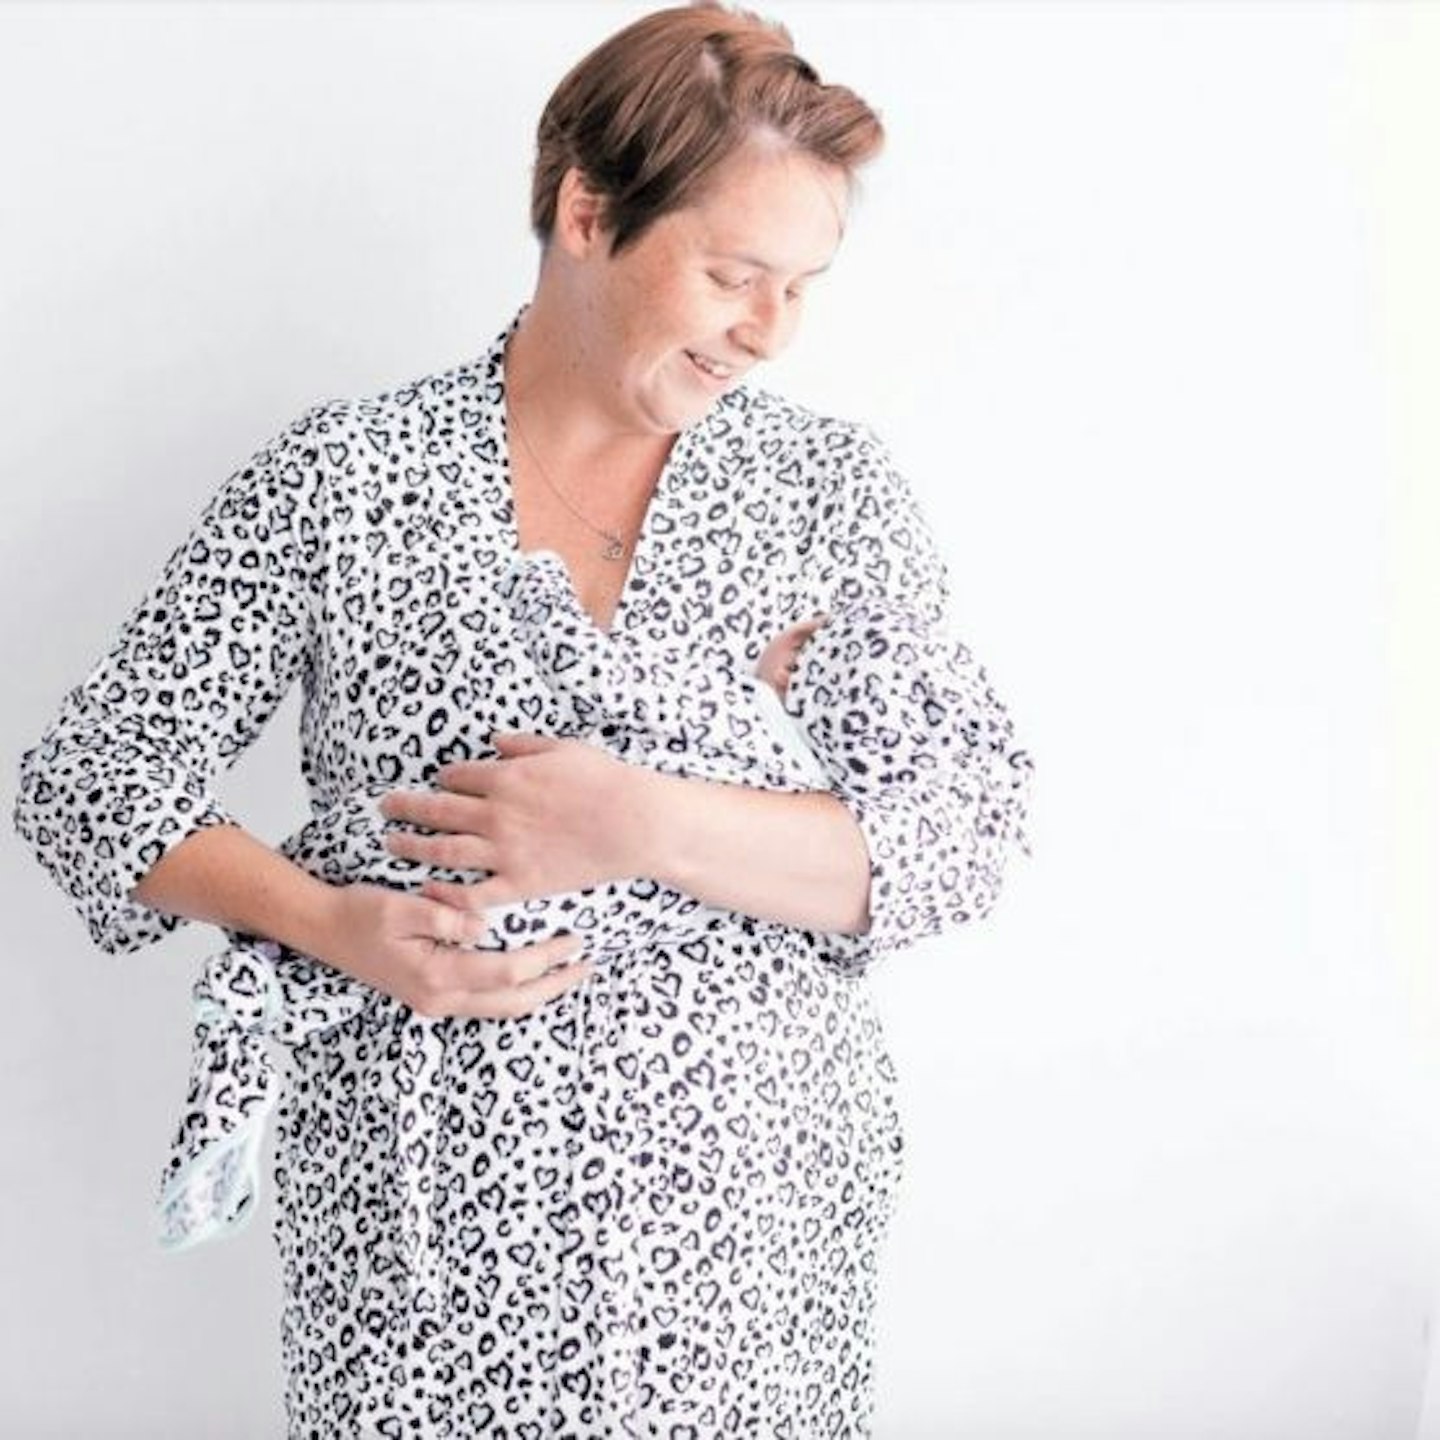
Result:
pixel 548 816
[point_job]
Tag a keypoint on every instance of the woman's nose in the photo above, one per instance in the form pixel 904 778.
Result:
pixel 764 331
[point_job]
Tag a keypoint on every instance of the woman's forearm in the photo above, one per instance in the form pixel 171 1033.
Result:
pixel 797 858
pixel 224 875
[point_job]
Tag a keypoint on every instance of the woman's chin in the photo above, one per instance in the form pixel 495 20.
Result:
pixel 679 414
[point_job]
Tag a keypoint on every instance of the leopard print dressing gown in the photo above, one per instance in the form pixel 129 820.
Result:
pixel 655 1207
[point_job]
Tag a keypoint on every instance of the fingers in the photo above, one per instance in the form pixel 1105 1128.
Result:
pixel 802 630
pixel 463 819
pixel 478 777
pixel 477 972
pixel 437 809
pixel 512 743
pixel 456 894
pixel 483 895
pixel 468 777
pixel 493 890
pixel 450 924
pixel 450 852
pixel 501 985
pixel 527 998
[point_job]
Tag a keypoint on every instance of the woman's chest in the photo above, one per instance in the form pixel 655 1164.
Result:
pixel 417 657
pixel 597 544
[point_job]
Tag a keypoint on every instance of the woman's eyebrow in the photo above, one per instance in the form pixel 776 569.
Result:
pixel 759 264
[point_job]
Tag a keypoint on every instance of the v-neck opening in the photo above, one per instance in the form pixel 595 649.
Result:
pixel 643 545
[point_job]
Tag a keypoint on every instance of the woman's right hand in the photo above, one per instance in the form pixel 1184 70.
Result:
pixel 411 947
pixel 777 661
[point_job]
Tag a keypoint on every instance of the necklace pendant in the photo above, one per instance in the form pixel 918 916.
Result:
pixel 614 548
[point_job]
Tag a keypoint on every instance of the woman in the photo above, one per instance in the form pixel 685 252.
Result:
pixel 517 1195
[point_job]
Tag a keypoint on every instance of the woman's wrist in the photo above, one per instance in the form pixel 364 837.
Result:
pixel 675 820
pixel 284 902
pixel 644 826
pixel 225 876
pixel 798 858
pixel 314 918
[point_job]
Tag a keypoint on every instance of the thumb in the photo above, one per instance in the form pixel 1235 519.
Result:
pixel 512 743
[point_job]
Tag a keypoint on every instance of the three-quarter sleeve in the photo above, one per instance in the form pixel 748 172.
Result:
pixel 124 771
pixel 943 826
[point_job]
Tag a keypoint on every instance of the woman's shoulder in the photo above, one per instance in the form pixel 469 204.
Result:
pixel 772 424
pixel 334 442
pixel 766 414
pixel 464 386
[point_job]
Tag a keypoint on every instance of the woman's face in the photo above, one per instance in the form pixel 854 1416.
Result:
pixel 710 290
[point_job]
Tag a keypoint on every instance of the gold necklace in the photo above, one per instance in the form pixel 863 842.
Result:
pixel 614 548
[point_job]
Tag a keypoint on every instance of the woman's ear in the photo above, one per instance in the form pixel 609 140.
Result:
pixel 580 213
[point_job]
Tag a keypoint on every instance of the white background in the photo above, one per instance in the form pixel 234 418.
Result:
pixel 1142 298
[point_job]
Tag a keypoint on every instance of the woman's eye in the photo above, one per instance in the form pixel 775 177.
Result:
pixel 726 282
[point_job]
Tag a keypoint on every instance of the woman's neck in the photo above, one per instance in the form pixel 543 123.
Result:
pixel 560 396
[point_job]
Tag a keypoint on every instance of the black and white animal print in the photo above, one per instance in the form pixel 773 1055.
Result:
pixel 875 692
pixel 656 1206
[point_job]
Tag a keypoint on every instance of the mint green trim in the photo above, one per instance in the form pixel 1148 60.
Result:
pixel 234 1209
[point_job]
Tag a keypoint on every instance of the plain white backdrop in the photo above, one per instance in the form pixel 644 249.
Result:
pixel 1140 297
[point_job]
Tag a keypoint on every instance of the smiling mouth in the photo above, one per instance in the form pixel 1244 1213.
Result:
pixel 713 368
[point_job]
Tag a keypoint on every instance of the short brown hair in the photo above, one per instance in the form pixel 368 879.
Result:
pixel 650 113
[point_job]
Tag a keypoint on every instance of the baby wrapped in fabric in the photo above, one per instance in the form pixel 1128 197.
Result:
pixel 870 699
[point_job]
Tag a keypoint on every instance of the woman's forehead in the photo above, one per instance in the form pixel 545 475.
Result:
pixel 780 214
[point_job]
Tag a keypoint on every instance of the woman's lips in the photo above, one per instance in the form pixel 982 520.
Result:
pixel 712 371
